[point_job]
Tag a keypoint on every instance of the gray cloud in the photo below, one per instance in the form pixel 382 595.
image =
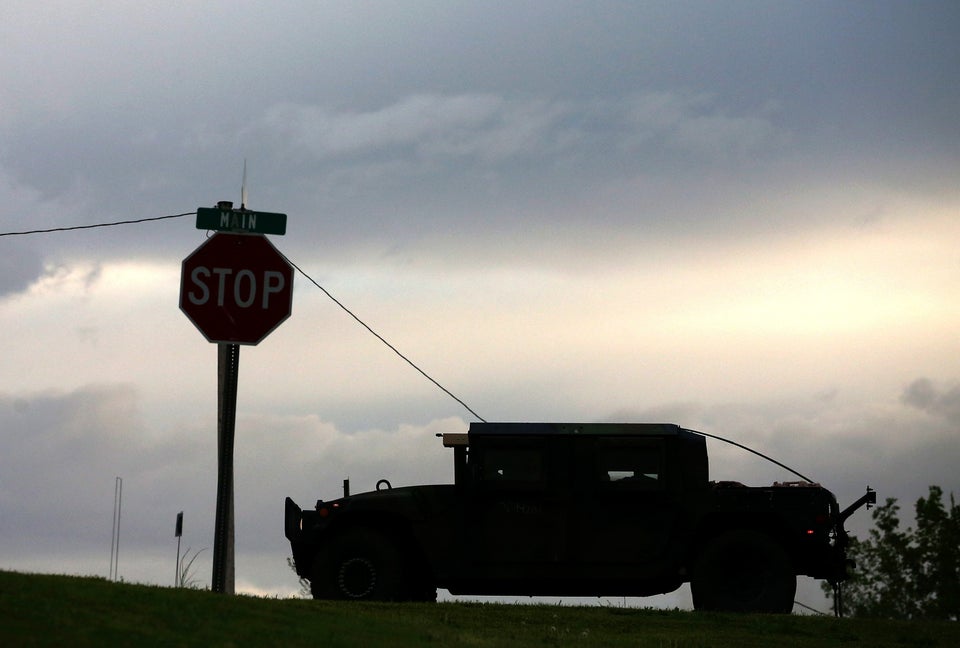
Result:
pixel 20 265
pixel 431 158
pixel 477 119
pixel 419 163
pixel 59 454
pixel 490 128
pixel 927 397
pixel 842 442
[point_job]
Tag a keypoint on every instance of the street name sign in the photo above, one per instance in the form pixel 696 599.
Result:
pixel 241 221
pixel 236 288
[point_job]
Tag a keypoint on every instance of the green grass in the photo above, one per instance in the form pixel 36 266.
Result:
pixel 42 610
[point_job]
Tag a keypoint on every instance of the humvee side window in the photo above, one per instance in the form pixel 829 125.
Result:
pixel 523 465
pixel 630 464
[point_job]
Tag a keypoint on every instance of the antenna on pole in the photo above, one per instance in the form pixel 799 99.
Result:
pixel 243 187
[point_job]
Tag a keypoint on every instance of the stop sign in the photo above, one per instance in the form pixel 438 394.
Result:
pixel 236 288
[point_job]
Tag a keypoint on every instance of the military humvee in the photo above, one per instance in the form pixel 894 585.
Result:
pixel 565 509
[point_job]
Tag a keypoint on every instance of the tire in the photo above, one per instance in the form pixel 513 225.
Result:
pixel 358 565
pixel 743 571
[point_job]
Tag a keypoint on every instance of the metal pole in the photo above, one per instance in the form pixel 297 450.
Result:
pixel 113 530
pixel 116 567
pixel 115 534
pixel 228 371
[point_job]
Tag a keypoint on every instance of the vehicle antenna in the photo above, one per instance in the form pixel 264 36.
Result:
pixel 759 454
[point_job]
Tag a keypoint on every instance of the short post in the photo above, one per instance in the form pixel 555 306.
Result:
pixel 178 532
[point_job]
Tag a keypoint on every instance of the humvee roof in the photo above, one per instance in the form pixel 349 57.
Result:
pixel 480 430
pixel 590 429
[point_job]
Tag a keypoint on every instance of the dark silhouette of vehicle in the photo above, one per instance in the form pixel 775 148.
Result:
pixel 559 509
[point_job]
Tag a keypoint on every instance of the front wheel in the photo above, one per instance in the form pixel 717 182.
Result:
pixel 358 565
pixel 743 571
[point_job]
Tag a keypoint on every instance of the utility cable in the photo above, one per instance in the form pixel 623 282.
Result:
pixel 382 339
pixel 83 227
pixel 811 609
pixel 299 269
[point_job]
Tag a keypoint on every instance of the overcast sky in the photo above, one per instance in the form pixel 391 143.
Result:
pixel 740 217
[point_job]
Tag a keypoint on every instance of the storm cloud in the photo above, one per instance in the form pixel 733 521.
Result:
pixel 737 217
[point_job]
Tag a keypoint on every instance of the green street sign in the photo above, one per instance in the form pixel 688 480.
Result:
pixel 240 221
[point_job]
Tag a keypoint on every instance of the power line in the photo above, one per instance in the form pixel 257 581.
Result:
pixel 807 607
pixel 83 227
pixel 299 269
pixel 382 339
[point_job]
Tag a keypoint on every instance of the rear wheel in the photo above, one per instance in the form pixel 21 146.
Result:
pixel 744 571
pixel 358 565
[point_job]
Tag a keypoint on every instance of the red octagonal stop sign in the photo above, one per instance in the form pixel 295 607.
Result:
pixel 236 288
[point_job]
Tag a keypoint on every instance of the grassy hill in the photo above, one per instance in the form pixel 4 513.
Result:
pixel 42 610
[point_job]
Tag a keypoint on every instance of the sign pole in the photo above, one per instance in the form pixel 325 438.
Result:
pixel 235 288
pixel 228 366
